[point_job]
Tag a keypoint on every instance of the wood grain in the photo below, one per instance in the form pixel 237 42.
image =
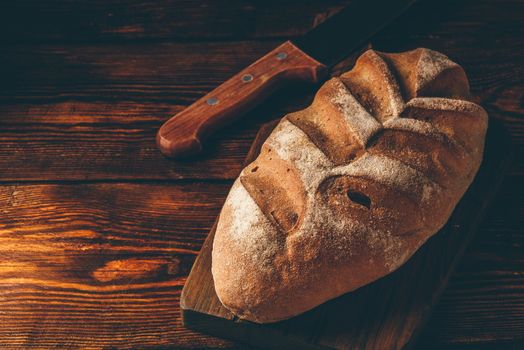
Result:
pixel 490 274
pixel 36 21
pixel 84 120
pixel 99 107
pixel 85 86
pixel 90 266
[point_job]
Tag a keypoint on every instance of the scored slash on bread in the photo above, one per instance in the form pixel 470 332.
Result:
pixel 346 190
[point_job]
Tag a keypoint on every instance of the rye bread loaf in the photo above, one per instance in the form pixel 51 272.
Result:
pixel 346 190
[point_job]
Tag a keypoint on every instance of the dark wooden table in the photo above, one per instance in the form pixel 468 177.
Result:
pixel 98 231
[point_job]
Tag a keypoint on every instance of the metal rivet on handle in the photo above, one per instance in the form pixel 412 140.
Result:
pixel 212 101
pixel 281 55
pixel 246 78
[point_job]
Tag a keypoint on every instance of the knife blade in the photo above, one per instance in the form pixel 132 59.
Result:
pixel 307 58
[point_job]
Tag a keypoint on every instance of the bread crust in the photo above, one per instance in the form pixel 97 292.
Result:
pixel 346 190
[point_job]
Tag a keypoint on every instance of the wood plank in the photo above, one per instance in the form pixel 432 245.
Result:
pixel 101 141
pixel 91 112
pixel 487 282
pixel 121 215
pixel 177 73
pixel 66 124
pixel 70 21
pixel 68 69
pixel 387 314
pixel 73 21
pixel 102 265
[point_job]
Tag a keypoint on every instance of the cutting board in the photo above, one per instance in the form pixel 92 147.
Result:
pixel 386 314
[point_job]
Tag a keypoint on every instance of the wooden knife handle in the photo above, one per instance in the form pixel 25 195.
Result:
pixel 183 134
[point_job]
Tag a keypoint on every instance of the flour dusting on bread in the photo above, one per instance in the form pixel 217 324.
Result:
pixel 363 124
pixel 430 65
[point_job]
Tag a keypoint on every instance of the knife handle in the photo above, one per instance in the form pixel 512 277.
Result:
pixel 183 134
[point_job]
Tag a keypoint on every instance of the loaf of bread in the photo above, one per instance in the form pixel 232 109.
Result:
pixel 346 190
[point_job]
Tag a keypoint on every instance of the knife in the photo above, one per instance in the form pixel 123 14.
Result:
pixel 307 58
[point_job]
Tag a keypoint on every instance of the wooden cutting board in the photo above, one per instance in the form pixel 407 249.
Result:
pixel 386 314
